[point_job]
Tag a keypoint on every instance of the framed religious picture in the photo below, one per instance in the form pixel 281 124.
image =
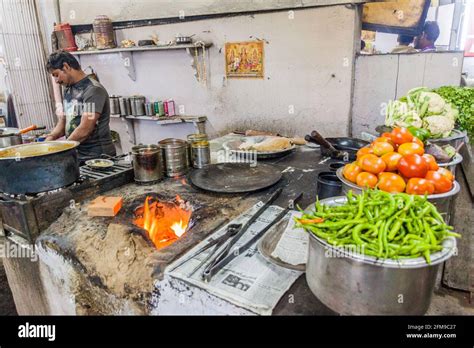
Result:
pixel 244 59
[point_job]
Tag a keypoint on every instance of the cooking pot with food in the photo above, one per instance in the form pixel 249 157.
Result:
pixel 38 167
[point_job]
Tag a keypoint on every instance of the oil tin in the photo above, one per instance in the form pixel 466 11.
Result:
pixel 171 108
pixel 201 154
pixel 159 108
pixel 149 109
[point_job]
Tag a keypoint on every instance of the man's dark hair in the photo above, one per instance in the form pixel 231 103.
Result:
pixel 57 59
pixel 431 29
pixel 405 39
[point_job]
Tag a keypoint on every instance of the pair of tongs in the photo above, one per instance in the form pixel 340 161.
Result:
pixel 224 257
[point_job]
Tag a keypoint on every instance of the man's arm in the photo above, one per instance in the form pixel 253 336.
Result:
pixel 59 129
pixel 85 128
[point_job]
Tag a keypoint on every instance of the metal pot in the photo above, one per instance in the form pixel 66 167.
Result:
pixel 114 105
pixel 175 154
pixel 350 283
pixel 10 137
pixel 137 105
pixel 147 163
pixel 38 167
pixel 443 201
pixel 124 104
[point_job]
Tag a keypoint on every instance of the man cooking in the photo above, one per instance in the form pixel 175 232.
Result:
pixel 86 111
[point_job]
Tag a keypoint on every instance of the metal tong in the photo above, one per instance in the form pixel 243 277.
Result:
pixel 226 256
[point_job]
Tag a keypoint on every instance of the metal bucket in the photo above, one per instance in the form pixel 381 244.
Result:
pixel 452 165
pixel 355 284
pixel 125 108
pixel 442 201
pixel 175 155
pixel 147 163
pixel 114 105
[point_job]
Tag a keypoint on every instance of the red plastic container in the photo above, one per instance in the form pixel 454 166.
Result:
pixel 65 37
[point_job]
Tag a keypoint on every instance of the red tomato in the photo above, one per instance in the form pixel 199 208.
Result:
pixel 418 141
pixel 372 164
pixel 413 166
pixel 410 148
pixel 386 135
pixel 365 179
pixel 431 161
pixel 446 172
pixel 391 160
pixel 381 148
pixel 401 135
pixel 351 171
pixel 419 186
pixel 441 183
pixel 364 151
pixel 391 182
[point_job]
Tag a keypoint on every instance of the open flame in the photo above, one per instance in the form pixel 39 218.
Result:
pixel 165 222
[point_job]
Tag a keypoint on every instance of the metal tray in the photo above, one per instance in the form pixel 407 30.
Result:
pixel 267 244
pixel 235 177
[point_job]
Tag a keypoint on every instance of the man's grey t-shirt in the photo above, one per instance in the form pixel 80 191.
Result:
pixel 88 95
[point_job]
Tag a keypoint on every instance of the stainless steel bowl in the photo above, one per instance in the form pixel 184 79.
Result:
pixel 443 201
pixel 452 164
pixel 356 284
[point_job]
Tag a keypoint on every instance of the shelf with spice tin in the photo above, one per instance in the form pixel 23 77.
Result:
pixel 126 53
pixel 166 120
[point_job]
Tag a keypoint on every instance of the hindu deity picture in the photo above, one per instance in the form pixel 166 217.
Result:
pixel 244 59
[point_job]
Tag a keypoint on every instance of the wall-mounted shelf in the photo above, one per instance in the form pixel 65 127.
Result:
pixel 127 53
pixel 166 120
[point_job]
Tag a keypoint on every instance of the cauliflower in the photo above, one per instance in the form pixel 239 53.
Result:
pixel 450 112
pixel 439 126
pixel 436 103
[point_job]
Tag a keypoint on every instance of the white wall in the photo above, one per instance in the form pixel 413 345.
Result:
pixel 468 66
pixel 84 11
pixel 380 78
pixel 308 68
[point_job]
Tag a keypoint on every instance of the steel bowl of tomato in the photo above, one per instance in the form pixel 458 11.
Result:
pixel 396 162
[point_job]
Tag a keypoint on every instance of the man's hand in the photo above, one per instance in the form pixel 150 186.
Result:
pixel 59 129
pixel 86 127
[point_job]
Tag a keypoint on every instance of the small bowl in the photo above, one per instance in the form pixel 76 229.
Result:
pixel 336 165
pixel 99 164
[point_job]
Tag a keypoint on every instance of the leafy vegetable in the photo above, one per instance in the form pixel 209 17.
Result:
pixel 463 99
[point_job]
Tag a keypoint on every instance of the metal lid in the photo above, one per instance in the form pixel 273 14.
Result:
pixel 449 248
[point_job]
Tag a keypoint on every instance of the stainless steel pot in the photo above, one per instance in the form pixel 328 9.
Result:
pixel 176 156
pixel 124 104
pixel 38 167
pixel 114 105
pixel 147 163
pixel 137 105
pixel 443 201
pixel 10 137
pixel 355 284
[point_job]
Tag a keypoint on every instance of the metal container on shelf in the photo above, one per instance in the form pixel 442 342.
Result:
pixel 175 156
pixel 104 32
pixel 334 275
pixel 442 201
pixel 192 138
pixel 125 109
pixel 147 164
pixel 137 104
pixel 149 109
pixel 200 154
pixel 114 104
